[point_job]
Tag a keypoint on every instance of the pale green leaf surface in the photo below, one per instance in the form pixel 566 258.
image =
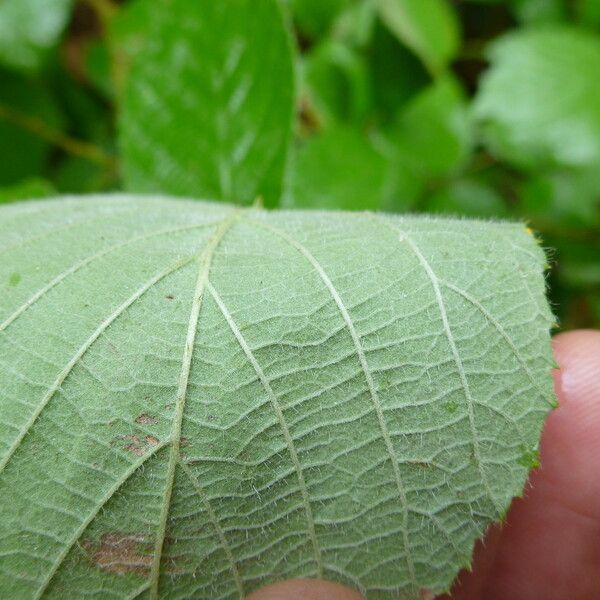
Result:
pixel 197 400
pixel 428 27
pixel 539 104
pixel 29 28
pixel 200 115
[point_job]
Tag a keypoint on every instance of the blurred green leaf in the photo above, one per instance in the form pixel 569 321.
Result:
pixel 396 74
pixel 428 27
pixel 315 17
pixel 595 307
pixel 338 169
pixel 26 190
pixel 564 196
pixel 29 28
pixel 98 67
pixel 468 197
pixel 337 82
pixel 86 112
pixel 433 133
pixel 201 114
pixel 578 262
pixel 76 175
pixel 539 104
pixel 356 23
pixel 23 153
pixel 535 12
pixel 588 12
pixel 127 34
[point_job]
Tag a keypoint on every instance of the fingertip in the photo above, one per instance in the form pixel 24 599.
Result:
pixel 549 547
pixel 578 356
pixel 305 589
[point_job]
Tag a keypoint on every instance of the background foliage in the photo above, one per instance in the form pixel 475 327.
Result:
pixel 487 108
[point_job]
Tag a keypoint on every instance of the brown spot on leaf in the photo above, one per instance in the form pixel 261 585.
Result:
pixel 137 450
pixel 184 442
pixel 170 297
pixel 145 419
pixel 121 553
pixel 138 446
pixel 131 438
pixel 426 594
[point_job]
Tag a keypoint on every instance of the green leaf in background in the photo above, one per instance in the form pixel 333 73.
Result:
pixel 26 105
pixel 588 12
pixel 26 190
pixel 566 197
pixel 433 133
pixel 238 396
pixel 338 169
pixel 336 79
pixel 77 175
pixel 314 18
pixel 467 197
pixel 355 24
pixel 29 28
pixel 98 67
pixel 208 105
pixel 535 12
pixel 428 27
pixel 539 104
pixel 396 74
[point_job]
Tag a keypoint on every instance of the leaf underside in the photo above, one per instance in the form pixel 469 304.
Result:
pixel 196 400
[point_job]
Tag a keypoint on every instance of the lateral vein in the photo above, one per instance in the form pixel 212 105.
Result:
pixel 85 524
pixel 218 529
pixel 82 263
pixel 491 319
pixel 282 423
pixel 375 401
pixel 435 284
pixel 84 348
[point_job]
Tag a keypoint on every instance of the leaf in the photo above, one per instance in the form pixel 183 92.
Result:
pixel 563 196
pixel 337 81
pixel 27 189
pixel 588 12
pixel 428 27
pixel 467 197
pixel 198 400
pixel 315 17
pixel 355 25
pixel 29 28
pixel 433 132
pixel 200 114
pixel 396 75
pixel 339 168
pixel 23 153
pixel 534 12
pixel 539 104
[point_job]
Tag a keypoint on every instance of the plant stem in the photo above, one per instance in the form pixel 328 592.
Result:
pixel 67 143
